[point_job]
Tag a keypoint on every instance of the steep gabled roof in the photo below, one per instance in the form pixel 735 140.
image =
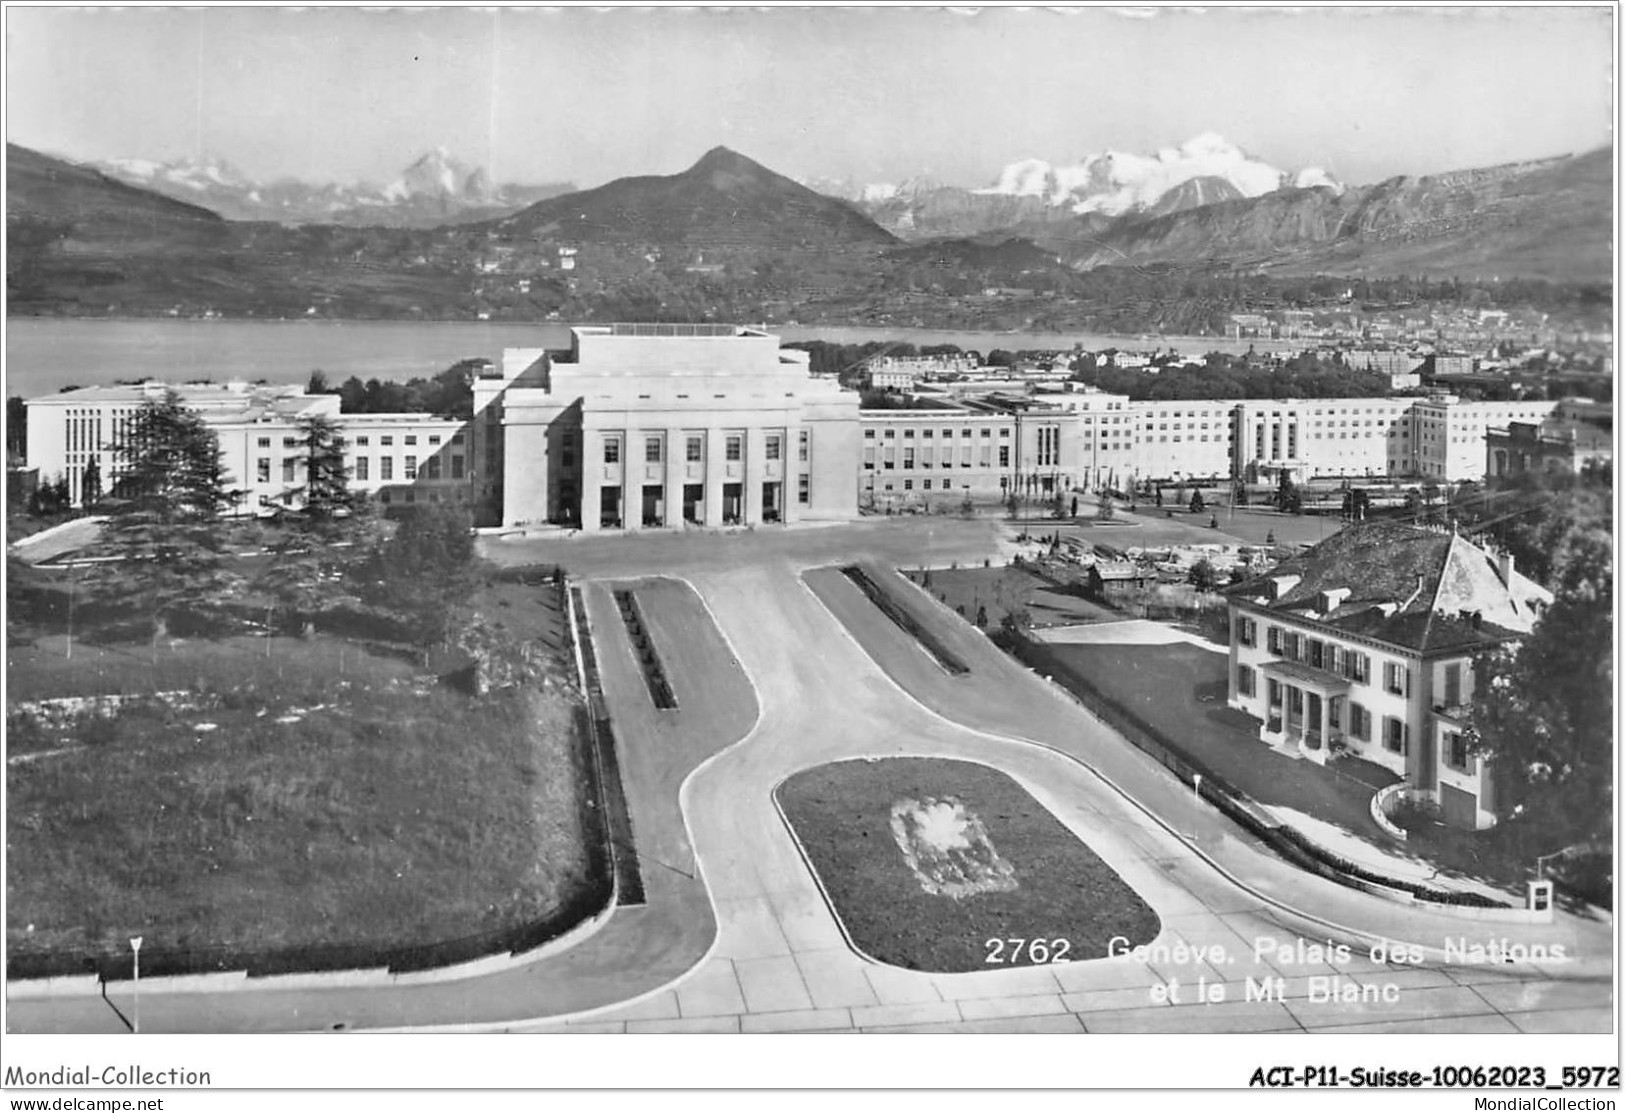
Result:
pixel 1424 589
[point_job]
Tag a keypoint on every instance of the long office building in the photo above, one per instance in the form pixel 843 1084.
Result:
pixel 398 459
pixel 661 426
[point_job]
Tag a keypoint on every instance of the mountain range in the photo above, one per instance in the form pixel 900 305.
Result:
pixel 1110 184
pixel 731 239
pixel 436 189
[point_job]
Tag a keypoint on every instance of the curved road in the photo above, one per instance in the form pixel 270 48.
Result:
pixel 778 960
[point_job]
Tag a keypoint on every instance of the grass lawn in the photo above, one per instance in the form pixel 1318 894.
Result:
pixel 1002 590
pixel 925 860
pixel 1179 690
pixel 319 794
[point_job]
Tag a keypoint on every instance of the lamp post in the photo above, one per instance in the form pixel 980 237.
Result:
pixel 135 1022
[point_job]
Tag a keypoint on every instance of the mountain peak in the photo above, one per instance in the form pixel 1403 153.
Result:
pixel 725 160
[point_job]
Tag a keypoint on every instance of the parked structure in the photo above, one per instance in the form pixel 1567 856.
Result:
pixel 1364 644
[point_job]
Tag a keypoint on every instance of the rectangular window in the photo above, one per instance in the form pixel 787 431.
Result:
pixel 1452 685
pixel 290 442
pixel 651 450
pixel 1359 722
pixel 612 451
pixel 1246 681
pixel 926 485
pixel 411 438
pixel 262 469
pixel 804 445
pixel 1396 678
pixel 771 446
pixel 734 447
pixel 386 440
pixel 803 489
pixel 434 438
pixel 265 442
pixel 695 451
pixel 1272 638
pixel 908 458
pixel 361 468
pixel 1396 734
pixel 288 470
pixel 431 468
pixel 1334 712
pixel 1455 751
pixel 411 467
pixel 1274 688
pixel 457 467
pixel 1004 456
pixel 386 467
pixel 1317 653
pixel 363 441
pixel 908 484
pixel 1247 632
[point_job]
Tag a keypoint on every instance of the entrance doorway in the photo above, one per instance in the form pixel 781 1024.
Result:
pixel 654 505
pixel 733 498
pixel 609 513
pixel 772 506
pixel 693 501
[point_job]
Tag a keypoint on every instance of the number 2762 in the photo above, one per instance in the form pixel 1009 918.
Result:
pixel 1014 952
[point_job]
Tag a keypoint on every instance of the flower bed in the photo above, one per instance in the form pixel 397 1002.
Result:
pixel 927 862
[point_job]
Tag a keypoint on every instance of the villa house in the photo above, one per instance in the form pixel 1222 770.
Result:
pixel 1365 644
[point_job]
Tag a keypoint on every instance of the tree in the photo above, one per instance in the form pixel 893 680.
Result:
pixel 166 529
pixel 321 538
pixel 317 383
pixel 1203 575
pixel 90 484
pixel 16 429
pixel 1106 510
pixel 1287 498
pixel 1239 496
pixel 1543 711
pixel 425 572
pixel 1057 506
pixel 1197 504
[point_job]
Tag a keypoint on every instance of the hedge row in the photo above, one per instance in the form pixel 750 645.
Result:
pixel 894 610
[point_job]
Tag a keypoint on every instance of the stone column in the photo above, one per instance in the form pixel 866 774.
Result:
pixel 793 470
pixel 592 481
pixel 632 469
pixel 755 472
pixel 676 466
pixel 715 448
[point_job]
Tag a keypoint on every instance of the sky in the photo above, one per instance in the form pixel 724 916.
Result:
pixel 859 94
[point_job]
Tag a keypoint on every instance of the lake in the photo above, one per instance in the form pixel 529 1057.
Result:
pixel 43 355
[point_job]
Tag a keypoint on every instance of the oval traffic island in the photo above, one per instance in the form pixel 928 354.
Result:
pixel 943 866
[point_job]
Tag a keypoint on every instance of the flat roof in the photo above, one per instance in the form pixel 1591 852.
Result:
pixel 666 330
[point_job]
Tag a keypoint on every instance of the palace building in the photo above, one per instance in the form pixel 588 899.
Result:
pixel 640 426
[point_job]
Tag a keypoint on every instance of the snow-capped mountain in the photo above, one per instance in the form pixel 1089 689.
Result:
pixel 1117 182
pixel 1101 187
pixel 435 189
